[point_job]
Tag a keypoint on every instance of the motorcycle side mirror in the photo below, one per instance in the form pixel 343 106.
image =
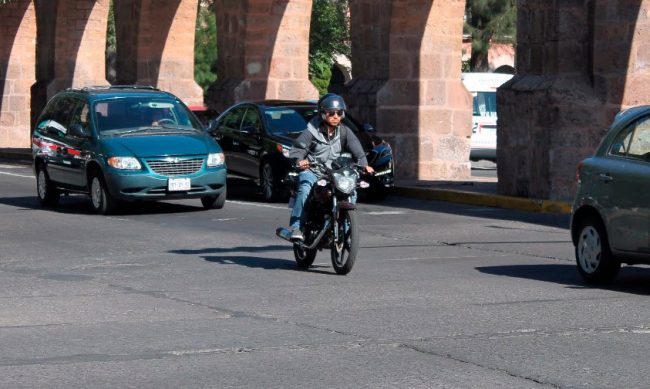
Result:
pixel 368 128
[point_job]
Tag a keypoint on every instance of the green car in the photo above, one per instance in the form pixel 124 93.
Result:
pixel 610 223
pixel 125 143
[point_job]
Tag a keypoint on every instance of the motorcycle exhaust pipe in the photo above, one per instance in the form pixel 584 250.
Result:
pixel 285 234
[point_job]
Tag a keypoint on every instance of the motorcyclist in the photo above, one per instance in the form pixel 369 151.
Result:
pixel 325 138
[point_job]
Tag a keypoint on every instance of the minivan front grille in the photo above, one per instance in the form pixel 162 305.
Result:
pixel 175 166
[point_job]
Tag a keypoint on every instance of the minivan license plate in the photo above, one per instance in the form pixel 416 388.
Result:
pixel 178 184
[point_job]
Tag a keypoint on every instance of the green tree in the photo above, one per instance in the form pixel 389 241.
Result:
pixel 489 21
pixel 329 34
pixel 205 46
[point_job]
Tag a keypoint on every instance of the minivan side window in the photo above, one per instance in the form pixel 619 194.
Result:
pixel 81 117
pixel 56 118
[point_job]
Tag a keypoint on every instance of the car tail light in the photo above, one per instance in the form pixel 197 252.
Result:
pixel 579 172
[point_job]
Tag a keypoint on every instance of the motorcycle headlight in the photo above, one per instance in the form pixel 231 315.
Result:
pixel 215 159
pixel 344 184
pixel 124 163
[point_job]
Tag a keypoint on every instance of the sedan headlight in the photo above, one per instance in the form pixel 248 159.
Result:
pixel 215 159
pixel 124 163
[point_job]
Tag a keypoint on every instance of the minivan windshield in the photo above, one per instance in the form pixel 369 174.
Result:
pixel 128 114
pixel 485 104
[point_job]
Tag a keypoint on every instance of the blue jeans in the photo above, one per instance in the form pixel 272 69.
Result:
pixel 306 180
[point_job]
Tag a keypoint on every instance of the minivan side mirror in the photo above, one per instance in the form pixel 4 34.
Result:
pixel 80 131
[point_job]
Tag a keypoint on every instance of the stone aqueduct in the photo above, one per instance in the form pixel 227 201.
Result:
pixel 578 63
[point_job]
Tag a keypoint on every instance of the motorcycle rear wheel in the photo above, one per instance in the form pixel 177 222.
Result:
pixel 304 257
pixel 344 250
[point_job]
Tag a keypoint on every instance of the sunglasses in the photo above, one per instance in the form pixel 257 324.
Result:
pixel 338 113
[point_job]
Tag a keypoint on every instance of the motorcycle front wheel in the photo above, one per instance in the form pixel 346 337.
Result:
pixel 304 257
pixel 344 249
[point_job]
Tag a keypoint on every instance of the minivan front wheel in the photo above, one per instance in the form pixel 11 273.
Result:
pixel 595 261
pixel 101 199
pixel 218 202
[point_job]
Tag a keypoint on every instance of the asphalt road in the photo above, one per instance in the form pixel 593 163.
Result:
pixel 167 295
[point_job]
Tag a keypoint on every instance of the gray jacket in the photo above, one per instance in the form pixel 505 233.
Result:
pixel 313 142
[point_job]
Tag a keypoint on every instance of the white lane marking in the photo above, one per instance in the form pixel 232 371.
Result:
pixel 386 213
pixel 227 219
pixel 427 258
pixel 258 205
pixel 17 175
pixel 11 166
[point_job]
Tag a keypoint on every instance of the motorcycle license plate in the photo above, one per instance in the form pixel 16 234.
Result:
pixel 179 184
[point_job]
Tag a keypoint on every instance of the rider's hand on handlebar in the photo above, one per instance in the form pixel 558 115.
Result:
pixel 303 164
pixel 368 169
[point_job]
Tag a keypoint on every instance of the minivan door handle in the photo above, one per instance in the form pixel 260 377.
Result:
pixel 605 177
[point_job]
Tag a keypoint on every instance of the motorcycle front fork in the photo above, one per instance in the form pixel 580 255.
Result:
pixel 335 222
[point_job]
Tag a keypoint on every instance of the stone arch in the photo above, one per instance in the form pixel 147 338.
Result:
pixel 17 60
pixel 155 45
pixel 370 22
pixel 263 51
pixel 79 44
pixel 423 108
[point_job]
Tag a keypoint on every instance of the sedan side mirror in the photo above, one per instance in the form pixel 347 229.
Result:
pixel 368 128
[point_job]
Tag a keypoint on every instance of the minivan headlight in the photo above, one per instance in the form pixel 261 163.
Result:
pixel 215 159
pixel 124 163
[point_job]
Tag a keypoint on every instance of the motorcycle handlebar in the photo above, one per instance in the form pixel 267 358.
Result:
pixel 316 164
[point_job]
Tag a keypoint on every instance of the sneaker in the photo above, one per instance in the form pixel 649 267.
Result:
pixel 296 235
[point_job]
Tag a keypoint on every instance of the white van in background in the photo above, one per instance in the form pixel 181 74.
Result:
pixel 483 87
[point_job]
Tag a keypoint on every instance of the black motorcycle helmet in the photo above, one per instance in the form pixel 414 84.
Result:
pixel 331 101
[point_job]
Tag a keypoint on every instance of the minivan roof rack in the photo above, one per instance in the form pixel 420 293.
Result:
pixel 107 87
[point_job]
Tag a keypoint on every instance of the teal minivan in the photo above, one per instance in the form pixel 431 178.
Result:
pixel 125 143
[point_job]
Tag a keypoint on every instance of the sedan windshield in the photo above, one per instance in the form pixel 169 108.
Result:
pixel 287 120
pixel 129 114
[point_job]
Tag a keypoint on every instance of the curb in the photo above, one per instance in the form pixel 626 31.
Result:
pixel 484 199
pixel 23 155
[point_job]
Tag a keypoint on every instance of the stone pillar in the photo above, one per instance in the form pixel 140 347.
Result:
pixel 369 33
pixel 80 44
pixel 575 72
pixel 17 71
pixel 165 47
pixel 424 110
pixel 45 49
pixel 263 51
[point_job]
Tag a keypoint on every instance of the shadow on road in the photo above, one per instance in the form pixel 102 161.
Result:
pixel 266 263
pixel 631 279
pixel 80 204
pixel 249 261
pixel 237 249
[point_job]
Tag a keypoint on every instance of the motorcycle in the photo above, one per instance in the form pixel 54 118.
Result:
pixel 330 217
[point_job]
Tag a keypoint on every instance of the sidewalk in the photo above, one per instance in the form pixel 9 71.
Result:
pixel 480 191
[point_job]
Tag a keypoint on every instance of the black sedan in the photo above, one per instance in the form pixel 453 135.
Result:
pixel 256 138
